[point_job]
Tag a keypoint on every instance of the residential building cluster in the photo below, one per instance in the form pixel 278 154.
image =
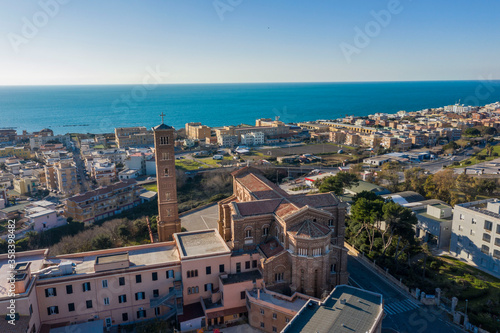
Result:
pixel 103 202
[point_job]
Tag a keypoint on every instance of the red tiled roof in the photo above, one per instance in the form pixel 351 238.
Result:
pixel 260 186
pixel 258 207
pixel 309 229
pixel 286 208
pixel 315 200
pixel 271 198
pixel 271 248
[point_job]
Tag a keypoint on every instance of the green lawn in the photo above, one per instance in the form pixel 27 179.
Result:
pixel 210 161
pixel 474 160
pixel 151 187
pixel 189 165
pixel 456 278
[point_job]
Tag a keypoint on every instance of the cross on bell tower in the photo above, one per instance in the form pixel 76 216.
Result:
pixel 162 115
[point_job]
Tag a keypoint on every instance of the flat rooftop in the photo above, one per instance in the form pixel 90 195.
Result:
pixel 200 243
pixel 241 277
pixel 437 219
pixel 110 258
pixel 294 305
pixel 360 312
pixel 35 257
pixel 141 255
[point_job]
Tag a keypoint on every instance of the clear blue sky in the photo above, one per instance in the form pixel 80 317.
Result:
pixel 114 41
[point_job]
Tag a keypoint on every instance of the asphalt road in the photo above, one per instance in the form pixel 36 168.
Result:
pixel 402 313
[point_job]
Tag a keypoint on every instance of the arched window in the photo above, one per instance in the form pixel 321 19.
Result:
pixel 248 233
pixel 189 291
pixel 330 223
pixel 166 172
pixel 188 275
pixel 265 230
pixel 196 273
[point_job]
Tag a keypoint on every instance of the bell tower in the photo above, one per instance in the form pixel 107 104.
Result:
pixel 168 213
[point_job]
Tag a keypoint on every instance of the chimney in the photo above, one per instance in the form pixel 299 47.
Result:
pixel 343 301
pixel 258 293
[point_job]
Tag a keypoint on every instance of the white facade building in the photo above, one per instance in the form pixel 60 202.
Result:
pixel 476 234
pixel 252 139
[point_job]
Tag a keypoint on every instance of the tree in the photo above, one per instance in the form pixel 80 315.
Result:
pixel 101 242
pixel 486 186
pixel 467 185
pixel 399 221
pixel 390 175
pixel 123 232
pixel 415 180
pixel 356 169
pixel 445 183
pixel 368 195
pixel 429 187
pixel 368 214
pixel 489 149
pixel 337 183
pixel 472 132
pixel 487 130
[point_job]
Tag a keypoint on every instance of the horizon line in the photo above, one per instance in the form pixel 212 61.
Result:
pixel 221 83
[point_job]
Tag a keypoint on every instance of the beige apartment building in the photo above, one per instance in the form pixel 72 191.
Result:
pixel 61 177
pixel 103 202
pixel 133 137
pixel 352 139
pixel 337 136
pixel 197 131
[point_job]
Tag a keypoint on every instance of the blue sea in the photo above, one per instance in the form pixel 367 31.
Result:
pixel 99 109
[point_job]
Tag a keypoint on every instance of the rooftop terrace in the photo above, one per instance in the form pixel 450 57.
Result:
pixel 200 243
pixel 347 309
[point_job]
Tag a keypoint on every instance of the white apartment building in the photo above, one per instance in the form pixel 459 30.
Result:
pixel 476 234
pixel 252 139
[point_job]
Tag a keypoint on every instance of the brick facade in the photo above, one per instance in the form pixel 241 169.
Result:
pixel 168 213
pixel 300 237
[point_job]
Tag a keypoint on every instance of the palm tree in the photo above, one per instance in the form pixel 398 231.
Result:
pixel 489 149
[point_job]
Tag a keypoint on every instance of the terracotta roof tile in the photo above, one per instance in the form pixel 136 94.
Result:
pixel 285 209
pixel 257 207
pixel 271 248
pixel 309 229
pixel 315 200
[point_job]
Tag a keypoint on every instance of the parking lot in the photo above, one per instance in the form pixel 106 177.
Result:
pixel 201 220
